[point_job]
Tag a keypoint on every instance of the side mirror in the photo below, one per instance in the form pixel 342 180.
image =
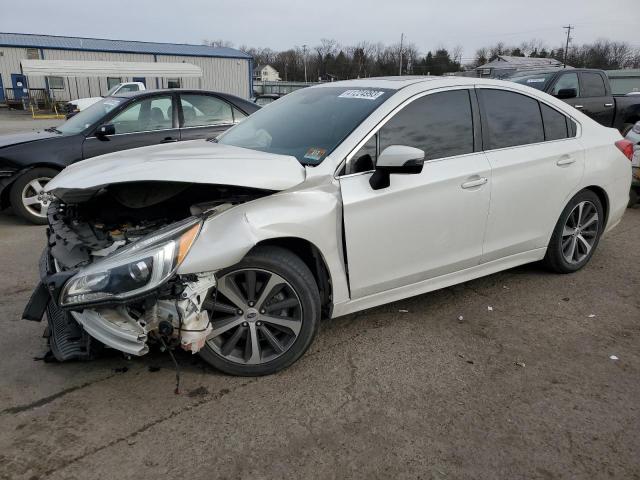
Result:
pixel 565 93
pixel 106 130
pixel 396 159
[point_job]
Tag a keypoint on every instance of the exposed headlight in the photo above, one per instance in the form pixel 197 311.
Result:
pixel 135 269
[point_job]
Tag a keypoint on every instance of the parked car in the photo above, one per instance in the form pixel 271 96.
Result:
pixel 336 198
pixel 29 160
pixel 589 91
pixel 266 99
pixel 634 137
pixel 75 106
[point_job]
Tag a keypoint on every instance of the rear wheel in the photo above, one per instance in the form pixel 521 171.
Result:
pixel 265 315
pixel 28 198
pixel 576 234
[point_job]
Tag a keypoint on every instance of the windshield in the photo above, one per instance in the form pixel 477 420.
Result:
pixel 89 116
pixel 538 81
pixel 308 123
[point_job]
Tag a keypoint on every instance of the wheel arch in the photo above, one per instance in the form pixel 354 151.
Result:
pixel 604 199
pixel 311 255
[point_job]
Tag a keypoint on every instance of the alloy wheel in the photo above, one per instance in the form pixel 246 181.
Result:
pixel 256 316
pixel 580 232
pixel 35 199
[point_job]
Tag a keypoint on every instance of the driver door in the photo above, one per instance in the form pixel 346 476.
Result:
pixel 423 225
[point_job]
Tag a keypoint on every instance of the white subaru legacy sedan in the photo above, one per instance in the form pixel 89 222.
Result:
pixel 334 199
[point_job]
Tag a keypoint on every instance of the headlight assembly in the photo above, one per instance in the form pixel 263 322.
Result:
pixel 135 269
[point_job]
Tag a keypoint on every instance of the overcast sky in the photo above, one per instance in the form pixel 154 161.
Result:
pixel 281 24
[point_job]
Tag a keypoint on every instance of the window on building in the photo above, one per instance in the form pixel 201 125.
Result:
pixel 512 119
pixel 173 83
pixel 33 54
pixel 112 82
pixel 56 83
pixel 441 124
pixel 592 85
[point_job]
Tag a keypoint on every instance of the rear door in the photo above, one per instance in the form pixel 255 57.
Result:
pixel 595 100
pixel 536 162
pixel 147 121
pixel 204 116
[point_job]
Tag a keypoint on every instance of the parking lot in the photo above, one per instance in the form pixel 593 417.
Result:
pixel 508 376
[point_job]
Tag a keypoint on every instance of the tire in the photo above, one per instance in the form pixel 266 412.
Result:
pixel 634 197
pixel 626 128
pixel 23 189
pixel 240 324
pixel 579 232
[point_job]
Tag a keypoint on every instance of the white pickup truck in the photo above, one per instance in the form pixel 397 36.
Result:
pixel 75 106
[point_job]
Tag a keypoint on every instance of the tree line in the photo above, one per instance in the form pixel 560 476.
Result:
pixel 330 60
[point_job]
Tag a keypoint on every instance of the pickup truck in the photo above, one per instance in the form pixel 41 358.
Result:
pixel 75 106
pixel 589 91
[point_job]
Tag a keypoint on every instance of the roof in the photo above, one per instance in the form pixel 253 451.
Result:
pixel 508 61
pixel 28 40
pixel 396 83
pixel 260 67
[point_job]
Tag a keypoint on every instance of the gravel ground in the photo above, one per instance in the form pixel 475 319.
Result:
pixel 522 390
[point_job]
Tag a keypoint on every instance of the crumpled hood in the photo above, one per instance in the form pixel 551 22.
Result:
pixel 197 161
pixel 17 138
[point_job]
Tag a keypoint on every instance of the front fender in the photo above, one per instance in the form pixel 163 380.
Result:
pixel 313 214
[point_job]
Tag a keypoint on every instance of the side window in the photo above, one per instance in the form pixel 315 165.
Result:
pixel 366 157
pixel 201 110
pixel 512 118
pixel 555 123
pixel 592 85
pixel 440 124
pixel 566 80
pixel 128 88
pixel 145 115
pixel 238 115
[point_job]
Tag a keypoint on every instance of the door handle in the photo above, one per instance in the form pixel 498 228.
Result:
pixel 608 104
pixel 169 140
pixel 475 183
pixel 565 160
pixel 579 106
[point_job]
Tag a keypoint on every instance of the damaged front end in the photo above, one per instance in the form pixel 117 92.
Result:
pixel 109 272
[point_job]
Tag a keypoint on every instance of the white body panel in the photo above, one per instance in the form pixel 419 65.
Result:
pixel 422 233
pixel 83 103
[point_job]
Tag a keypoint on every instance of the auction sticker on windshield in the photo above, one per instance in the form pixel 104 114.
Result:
pixel 362 94
pixel 315 154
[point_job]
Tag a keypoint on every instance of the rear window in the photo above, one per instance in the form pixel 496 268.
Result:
pixel 538 81
pixel 512 118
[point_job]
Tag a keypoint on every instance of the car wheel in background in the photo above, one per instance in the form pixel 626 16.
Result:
pixel 576 234
pixel 27 195
pixel 265 315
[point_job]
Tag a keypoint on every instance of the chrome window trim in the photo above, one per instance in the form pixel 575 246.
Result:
pixel 134 133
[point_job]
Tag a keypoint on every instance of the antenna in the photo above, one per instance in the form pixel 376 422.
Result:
pixel 400 67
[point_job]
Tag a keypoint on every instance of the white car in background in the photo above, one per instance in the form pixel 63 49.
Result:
pixel 75 106
pixel 337 198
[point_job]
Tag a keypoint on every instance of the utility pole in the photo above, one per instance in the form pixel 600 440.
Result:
pixel 568 28
pixel 304 60
pixel 400 67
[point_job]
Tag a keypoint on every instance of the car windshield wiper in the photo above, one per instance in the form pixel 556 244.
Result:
pixel 52 129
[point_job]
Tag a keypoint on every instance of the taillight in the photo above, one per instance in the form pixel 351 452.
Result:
pixel 626 147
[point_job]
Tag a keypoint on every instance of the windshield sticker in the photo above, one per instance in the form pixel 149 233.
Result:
pixel 315 154
pixel 362 94
pixel 535 80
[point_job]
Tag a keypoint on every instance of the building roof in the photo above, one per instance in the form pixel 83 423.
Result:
pixel 28 40
pixel 260 67
pixel 508 61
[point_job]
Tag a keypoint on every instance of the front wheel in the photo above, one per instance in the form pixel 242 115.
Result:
pixel 265 314
pixel 576 234
pixel 28 198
